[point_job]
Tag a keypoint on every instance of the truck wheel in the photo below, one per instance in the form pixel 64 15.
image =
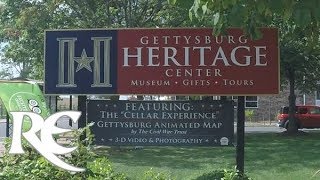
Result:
pixel 299 125
pixel 286 125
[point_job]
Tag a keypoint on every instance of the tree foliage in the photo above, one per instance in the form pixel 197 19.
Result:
pixel 252 14
pixel 298 23
pixel 22 24
pixel 299 62
pixel 299 26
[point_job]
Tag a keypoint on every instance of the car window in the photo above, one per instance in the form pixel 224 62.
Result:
pixel 284 110
pixel 303 111
pixel 314 111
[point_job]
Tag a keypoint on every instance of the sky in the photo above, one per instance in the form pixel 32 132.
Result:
pixel 1 46
pixel 1 64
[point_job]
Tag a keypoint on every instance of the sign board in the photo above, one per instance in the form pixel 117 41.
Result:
pixel 162 123
pixel 160 61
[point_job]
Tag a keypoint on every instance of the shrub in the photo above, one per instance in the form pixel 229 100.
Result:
pixel 32 165
pixel 249 114
pixel 223 175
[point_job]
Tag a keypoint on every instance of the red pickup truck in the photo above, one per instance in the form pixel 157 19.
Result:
pixel 307 116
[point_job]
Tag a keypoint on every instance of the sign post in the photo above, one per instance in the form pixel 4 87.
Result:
pixel 82 107
pixel 7 124
pixel 70 108
pixel 240 134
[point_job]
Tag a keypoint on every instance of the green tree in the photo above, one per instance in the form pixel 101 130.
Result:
pixel 298 23
pixel 300 66
pixel 250 15
pixel 22 24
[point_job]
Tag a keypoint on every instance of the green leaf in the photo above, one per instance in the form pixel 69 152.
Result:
pixel 204 8
pixel 302 16
pixel 315 10
pixel 261 6
pixel 172 2
pixel 257 33
pixel 317 14
pixel 276 6
pixel 227 3
pixel 216 18
pixel 190 15
pixel 237 16
pixel 287 14
pixel 185 4
pixel 195 8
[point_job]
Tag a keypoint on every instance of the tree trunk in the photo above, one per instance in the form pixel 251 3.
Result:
pixel 293 124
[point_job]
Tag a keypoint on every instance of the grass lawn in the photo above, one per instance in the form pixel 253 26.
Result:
pixel 267 156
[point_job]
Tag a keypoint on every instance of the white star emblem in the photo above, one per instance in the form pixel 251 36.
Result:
pixel 84 61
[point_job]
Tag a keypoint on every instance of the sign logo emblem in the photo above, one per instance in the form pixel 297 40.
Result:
pixel 45 145
pixel 66 74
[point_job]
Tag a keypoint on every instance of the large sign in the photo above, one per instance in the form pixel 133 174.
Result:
pixel 160 61
pixel 162 123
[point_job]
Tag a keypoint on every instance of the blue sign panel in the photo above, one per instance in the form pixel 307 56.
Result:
pixel 80 62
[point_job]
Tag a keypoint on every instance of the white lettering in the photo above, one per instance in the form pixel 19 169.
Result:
pixel 46 146
pixel 126 56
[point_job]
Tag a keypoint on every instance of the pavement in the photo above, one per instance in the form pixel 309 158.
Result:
pixel 2 128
